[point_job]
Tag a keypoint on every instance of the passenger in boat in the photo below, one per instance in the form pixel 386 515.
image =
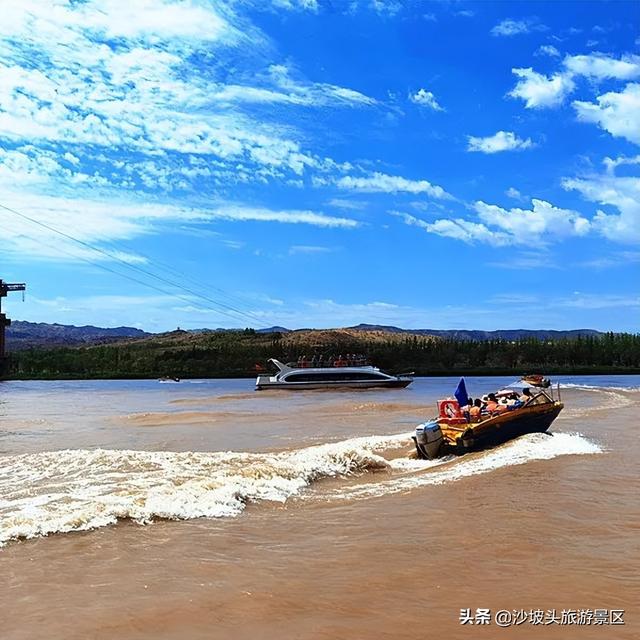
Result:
pixel 492 403
pixel 475 410
pixel 503 406
pixel 513 402
pixel 464 409
pixel 526 395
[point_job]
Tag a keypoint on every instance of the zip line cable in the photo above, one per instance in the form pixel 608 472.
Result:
pixel 128 265
pixel 123 275
pixel 162 266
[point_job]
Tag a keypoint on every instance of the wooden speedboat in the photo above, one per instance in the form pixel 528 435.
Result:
pixel 453 433
pixel 536 380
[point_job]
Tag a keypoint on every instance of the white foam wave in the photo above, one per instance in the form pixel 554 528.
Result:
pixel 535 446
pixel 593 387
pixel 75 490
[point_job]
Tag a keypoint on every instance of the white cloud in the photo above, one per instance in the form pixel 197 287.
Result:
pixel 385 7
pixel 341 203
pixel 511 27
pixel 143 107
pixel 299 5
pixel 542 223
pixel 620 192
pixel 143 19
pixel 599 66
pixel 116 221
pixel 458 229
pixel 280 87
pixel 242 214
pixel 538 90
pixel 383 183
pixel 467 231
pixel 612 163
pixel 425 99
pixel 547 50
pixel 512 192
pixel 500 141
pixel 617 113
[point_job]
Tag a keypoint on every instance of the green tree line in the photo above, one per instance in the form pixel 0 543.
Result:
pixel 242 353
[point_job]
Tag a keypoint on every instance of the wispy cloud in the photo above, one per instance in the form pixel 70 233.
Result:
pixel 78 113
pixel 541 225
pixel 512 192
pixel 277 86
pixel 105 223
pixel 525 261
pixel 383 183
pixel 500 141
pixel 458 229
pixel 309 249
pixel 620 192
pixel 615 112
pixel 425 99
pixel 341 203
pixel 540 91
pixel 509 27
pixel 242 214
pixel 547 50
pixel 599 66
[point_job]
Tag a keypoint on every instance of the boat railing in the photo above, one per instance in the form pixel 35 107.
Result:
pixel 328 364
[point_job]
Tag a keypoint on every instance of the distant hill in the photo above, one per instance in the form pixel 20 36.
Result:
pixel 275 329
pixel 471 334
pixel 22 335
pixel 243 352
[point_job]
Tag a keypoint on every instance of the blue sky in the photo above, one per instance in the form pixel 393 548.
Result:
pixel 321 163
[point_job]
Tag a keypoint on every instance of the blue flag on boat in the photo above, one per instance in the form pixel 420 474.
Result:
pixel 461 393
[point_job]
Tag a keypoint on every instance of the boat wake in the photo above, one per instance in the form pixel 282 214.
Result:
pixel 527 448
pixel 591 387
pixel 78 490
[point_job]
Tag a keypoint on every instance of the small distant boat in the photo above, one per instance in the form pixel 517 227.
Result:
pixel 292 376
pixel 168 379
pixel 537 380
pixel 452 432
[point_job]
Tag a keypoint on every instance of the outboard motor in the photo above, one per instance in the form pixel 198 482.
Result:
pixel 428 440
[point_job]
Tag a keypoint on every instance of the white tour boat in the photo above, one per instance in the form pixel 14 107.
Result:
pixel 292 376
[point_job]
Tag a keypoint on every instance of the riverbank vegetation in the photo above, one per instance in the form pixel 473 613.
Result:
pixel 243 353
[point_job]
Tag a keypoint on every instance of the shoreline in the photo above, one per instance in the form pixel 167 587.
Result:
pixel 576 371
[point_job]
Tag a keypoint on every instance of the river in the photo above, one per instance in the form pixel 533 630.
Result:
pixel 204 509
